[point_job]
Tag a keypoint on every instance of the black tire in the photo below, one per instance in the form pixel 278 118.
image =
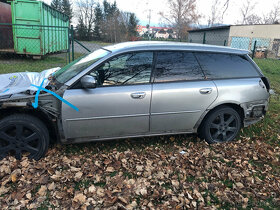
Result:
pixel 22 133
pixel 221 125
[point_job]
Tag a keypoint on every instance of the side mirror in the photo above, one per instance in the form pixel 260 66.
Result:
pixel 88 82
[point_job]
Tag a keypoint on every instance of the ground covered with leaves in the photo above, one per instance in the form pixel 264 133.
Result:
pixel 159 172
pixel 152 172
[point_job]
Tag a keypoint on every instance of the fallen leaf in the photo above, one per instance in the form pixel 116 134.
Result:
pixel 80 198
pixel 92 189
pixel 28 196
pixel 14 178
pixel 43 190
pixel 51 186
pixel 100 192
pixel 143 191
pixel 110 169
pixel 3 190
pixel 239 185
pixel 78 175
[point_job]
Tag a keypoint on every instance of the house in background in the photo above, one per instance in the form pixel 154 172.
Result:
pixel 157 32
pixel 266 37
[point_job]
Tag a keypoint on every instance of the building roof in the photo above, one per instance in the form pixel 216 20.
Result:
pixel 158 45
pixel 210 28
pixel 228 27
pixel 154 27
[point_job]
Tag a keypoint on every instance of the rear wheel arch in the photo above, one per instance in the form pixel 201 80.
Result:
pixel 236 107
pixel 222 130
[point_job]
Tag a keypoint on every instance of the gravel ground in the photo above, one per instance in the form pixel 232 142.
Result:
pixel 91 46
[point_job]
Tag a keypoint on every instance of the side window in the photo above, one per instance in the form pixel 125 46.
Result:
pixel 177 66
pixel 130 68
pixel 216 65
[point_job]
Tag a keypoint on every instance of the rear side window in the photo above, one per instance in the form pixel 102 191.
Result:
pixel 222 66
pixel 177 66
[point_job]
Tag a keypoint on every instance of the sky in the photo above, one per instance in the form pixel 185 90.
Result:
pixel 141 9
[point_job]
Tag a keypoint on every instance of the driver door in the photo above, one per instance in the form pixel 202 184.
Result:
pixel 118 107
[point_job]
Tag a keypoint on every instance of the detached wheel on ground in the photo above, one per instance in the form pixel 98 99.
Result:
pixel 23 134
pixel 221 125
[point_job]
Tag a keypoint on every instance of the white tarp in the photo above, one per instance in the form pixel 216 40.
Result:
pixel 21 82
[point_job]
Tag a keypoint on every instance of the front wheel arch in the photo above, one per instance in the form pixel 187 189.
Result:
pixel 22 133
pixel 47 120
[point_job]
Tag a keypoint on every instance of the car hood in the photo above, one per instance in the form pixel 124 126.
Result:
pixel 18 83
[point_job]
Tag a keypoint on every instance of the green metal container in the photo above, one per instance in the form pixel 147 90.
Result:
pixel 39 29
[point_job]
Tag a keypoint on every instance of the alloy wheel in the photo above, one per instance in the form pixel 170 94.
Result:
pixel 18 139
pixel 223 127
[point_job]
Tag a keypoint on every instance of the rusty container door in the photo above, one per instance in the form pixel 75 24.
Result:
pixel 6 31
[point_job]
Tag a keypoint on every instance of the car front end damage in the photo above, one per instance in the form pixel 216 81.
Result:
pixel 18 95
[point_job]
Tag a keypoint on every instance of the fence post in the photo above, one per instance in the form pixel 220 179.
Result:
pixel 204 38
pixel 254 49
pixel 69 43
pixel 72 37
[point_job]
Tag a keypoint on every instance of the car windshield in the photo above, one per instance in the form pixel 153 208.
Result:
pixel 72 69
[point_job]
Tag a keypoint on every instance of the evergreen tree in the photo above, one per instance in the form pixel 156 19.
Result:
pixel 66 8
pixel 97 21
pixel 81 30
pixel 56 4
pixel 132 25
pixel 106 8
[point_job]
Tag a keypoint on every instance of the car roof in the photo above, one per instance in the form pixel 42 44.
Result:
pixel 159 45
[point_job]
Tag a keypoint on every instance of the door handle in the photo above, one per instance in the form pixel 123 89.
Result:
pixel 138 95
pixel 205 90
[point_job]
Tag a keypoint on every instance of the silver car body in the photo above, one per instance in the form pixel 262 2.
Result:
pixel 167 108
pixel 124 111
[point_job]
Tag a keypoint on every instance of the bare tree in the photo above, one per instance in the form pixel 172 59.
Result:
pixel 225 8
pixel 181 14
pixel 248 16
pixel 218 10
pixel 273 16
pixel 85 14
pixel 213 18
pixel 253 19
pixel 247 10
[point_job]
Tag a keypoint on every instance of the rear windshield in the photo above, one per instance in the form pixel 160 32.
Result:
pixel 220 66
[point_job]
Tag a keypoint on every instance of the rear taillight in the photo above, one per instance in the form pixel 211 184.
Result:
pixel 266 83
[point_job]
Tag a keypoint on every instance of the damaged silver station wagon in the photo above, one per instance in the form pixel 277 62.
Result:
pixel 133 89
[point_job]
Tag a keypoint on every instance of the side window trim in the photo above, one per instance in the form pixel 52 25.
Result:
pixel 245 57
pixel 152 79
pixel 184 51
pixel 120 54
pixel 205 77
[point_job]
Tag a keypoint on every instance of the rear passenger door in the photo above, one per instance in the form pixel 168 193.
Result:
pixel 180 92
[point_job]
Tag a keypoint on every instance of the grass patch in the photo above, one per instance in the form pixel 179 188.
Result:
pixel 16 63
pixel 22 64
pixel 266 129
pixel 82 184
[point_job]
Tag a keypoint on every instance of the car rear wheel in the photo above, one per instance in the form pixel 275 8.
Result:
pixel 221 125
pixel 22 134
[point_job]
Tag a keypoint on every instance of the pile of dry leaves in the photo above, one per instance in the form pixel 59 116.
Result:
pixel 151 172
